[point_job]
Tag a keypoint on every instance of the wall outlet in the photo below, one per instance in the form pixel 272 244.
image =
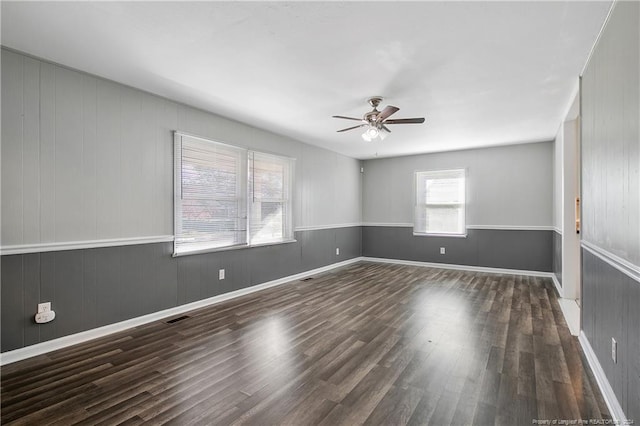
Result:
pixel 337 251
pixel 221 274
pixel 614 350
pixel 442 250
pixel 44 307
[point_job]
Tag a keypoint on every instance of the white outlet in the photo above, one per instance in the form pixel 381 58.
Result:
pixel 614 350
pixel 442 250
pixel 221 274
pixel 44 307
pixel 337 251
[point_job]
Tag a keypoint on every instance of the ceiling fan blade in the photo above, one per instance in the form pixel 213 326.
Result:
pixel 351 128
pixel 405 121
pixel 386 129
pixel 346 118
pixel 386 113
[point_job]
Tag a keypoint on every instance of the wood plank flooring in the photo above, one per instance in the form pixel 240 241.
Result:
pixel 369 343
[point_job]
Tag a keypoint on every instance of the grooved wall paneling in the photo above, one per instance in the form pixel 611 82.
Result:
pixel 94 287
pixel 610 93
pixel 611 137
pixel 85 158
pixel 508 185
pixel 506 249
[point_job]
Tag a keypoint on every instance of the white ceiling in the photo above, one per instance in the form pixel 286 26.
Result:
pixel 482 73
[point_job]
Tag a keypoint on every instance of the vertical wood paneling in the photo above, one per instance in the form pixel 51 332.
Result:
pixel 89 149
pixel 131 155
pixel 12 312
pixel 12 147
pixel 610 92
pixel 164 167
pixel 31 297
pixel 69 292
pixel 31 151
pixel 97 159
pixel 89 293
pixel 48 292
pixel 108 203
pixel 611 137
pixel 68 163
pixel 149 140
pixel 47 153
pixel 108 287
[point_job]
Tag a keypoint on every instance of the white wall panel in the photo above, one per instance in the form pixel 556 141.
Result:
pixel 87 159
pixel 507 186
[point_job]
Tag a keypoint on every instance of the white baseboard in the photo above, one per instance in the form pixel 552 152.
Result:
pixel 460 267
pixel 571 312
pixel 73 339
pixel 557 284
pixel 617 414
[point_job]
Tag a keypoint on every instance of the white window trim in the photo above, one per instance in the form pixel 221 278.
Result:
pixel 177 205
pixel 415 204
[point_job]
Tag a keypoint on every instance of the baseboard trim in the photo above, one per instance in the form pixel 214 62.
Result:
pixel 557 284
pixel 84 336
pixel 617 414
pixel 571 313
pixel 460 267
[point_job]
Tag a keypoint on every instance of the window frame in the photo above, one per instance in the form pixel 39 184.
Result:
pixel 244 196
pixel 426 233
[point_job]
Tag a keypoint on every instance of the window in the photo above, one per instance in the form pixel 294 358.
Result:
pixel 269 198
pixel 440 202
pixel 222 191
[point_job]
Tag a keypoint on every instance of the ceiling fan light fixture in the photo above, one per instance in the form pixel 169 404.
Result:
pixel 372 132
pixel 366 136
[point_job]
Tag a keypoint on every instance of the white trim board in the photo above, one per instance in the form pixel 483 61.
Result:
pixel 333 226
pixel 78 245
pixel 622 265
pixel 84 336
pixel 485 227
pixel 617 414
pixel 459 267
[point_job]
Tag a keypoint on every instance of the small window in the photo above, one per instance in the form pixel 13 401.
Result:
pixel 440 202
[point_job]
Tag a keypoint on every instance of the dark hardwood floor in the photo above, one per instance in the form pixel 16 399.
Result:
pixel 365 344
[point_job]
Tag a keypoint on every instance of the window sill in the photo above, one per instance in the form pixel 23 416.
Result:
pixel 425 234
pixel 228 248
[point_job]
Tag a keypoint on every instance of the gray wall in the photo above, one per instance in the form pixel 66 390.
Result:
pixel 94 287
pixel 506 186
pixel 86 159
pixel 528 250
pixel 611 202
pixel 509 198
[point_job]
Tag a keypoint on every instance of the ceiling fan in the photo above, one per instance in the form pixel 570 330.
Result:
pixel 375 121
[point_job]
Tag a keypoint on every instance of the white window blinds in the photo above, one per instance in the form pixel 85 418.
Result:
pixel 440 202
pixel 270 189
pixel 209 195
pixel 226 196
